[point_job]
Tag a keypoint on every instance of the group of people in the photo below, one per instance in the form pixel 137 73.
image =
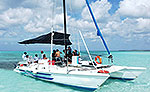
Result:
pixel 59 56
pixel 56 56
pixel 29 59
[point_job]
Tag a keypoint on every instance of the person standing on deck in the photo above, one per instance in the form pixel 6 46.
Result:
pixel 69 54
pixel 24 55
pixel 42 54
pixel 54 55
pixel 27 59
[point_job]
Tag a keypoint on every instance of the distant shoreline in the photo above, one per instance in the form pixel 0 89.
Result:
pixel 133 50
pixel 81 50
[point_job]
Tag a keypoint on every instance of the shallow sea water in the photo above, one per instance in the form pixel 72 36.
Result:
pixel 11 81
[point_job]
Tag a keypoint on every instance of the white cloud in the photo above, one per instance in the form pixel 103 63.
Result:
pixel 33 27
pixel 100 10
pixel 144 23
pixel 10 34
pixel 43 24
pixel 37 3
pixel 135 8
pixel 1 32
pixel 81 24
pixel 75 4
pixel 91 35
pixel 58 19
pixel 130 28
pixel 44 16
pixel 16 16
pixel 34 17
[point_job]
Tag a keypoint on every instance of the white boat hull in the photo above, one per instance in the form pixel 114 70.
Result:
pixel 87 82
pixel 124 72
pixel 127 73
pixel 90 80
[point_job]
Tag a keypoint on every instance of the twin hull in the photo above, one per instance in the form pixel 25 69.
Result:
pixel 87 79
pixel 80 79
pixel 126 73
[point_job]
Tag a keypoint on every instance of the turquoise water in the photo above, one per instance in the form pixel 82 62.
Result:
pixel 11 81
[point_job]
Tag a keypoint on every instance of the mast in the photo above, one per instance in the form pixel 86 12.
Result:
pixel 98 30
pixel 52 34
pixel 65 28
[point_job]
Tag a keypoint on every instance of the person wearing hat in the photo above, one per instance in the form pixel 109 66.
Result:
pixel 42 54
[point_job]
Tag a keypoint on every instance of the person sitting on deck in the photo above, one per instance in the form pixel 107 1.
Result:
pixel 36 58
pixel 24 55
pixel 44 56
pixel 58 58
pixel 75 53
pixel 27 59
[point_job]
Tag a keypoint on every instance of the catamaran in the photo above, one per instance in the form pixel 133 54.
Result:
pixel 82 74
pixel 72 75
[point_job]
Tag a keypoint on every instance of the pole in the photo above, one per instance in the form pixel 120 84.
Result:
pixel 98 30
pixel 86 48
pixel 65 30
pixel 52 34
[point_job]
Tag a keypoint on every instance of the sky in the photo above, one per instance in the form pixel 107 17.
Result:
pixel 125 24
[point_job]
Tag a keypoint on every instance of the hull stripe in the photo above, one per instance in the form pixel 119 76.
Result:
pixel 40 77
pixel 36 76
pixel 43 73
pixel 122 78
pixel 21 70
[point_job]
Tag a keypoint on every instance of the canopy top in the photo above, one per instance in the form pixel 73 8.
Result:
pixel 58 39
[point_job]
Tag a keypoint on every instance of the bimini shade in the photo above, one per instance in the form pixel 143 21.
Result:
pixel 58 39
